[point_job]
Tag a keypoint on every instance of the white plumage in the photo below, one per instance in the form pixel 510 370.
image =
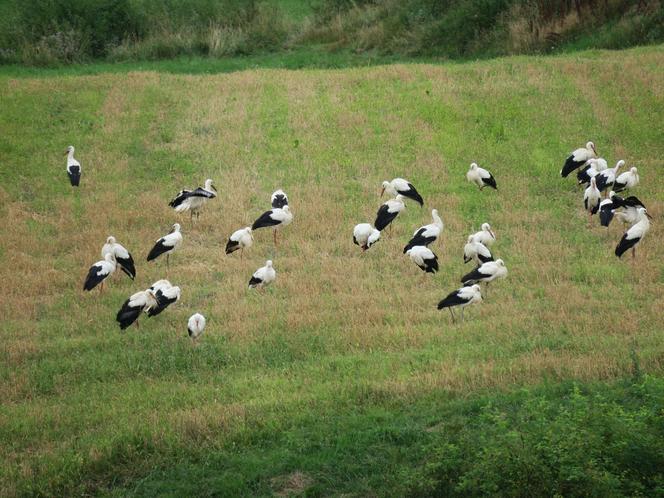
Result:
pixel 485 236
pixel 476 251
pixel 635 234
pixel 628 179
pixel 606 178
pixel 196 326
pixel 365 235
pixel 167 244
pixel 399 186
pixel 424 258
pixel 166 294
pixel 121 255
pixel 388 212
pixel 73 167
pixel 143 301
pixel 275 218
pixel 99 272
pixel 264 276
pixel 240 240
pixel 193 200
pixel 462 297
pixel 578 158
pixel 480 177
pixel 591 198
pixel 426 234
pixel 487 273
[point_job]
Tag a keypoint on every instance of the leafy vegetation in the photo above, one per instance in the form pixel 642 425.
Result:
pixel 50 32
pixel 343 377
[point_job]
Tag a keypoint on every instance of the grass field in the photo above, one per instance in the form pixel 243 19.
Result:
pixel 338 379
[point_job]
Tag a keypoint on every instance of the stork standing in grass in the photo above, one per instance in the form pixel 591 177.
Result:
pixel 167 244
pixel 606 211
pixel 634 235
pixel 279 199
pixel 388 212
pixel 133 307
pixel 481 177
pixel 485 236
pixel 73 167
pixel 476 251
pixel 399 186
pixel 626 210
pixel 461 297
pixel 276 218
pixel 263 277
pixel 578 158
pixel 487 273
pixel 99 272
pixel 626 180
pixel 196 326
pixel 593 168
pixel 424 258
pixel 122 256
pixel 365 235
pixel 194 200
pixel 427 234
pixel 591 198
pixel 240 240
pixel 166 294
pixel 606 178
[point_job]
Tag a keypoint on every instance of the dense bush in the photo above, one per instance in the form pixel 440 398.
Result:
pixel 574 443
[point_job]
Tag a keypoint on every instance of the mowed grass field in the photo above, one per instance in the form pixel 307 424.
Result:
pixel 325 383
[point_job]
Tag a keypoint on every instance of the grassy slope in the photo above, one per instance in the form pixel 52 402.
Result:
pixel 346 348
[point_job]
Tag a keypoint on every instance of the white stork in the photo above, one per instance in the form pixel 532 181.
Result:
pixel 591 198
pixel 628 179
pixel 424 258
pixel 402 187
pixel 427 234
pixel 365 235
pixel 461 297
pixel 388 212
pixel 132 308
pixel 634 235
pixel 488 272
pixel 263 277
pixel 578 158
pixel 122 256
pixel 167 244
pixel 606 210
pixel 485 236
pixel 166 294
pixel 99 272
pixel 476 251
pixel 193 200
pixel 279 199
pixel 593 168
pixel 606 178
pixel 196 326
pixel 481 177
pixel 73 167
pixel 240 240
pixel 275 218
pixel 626 210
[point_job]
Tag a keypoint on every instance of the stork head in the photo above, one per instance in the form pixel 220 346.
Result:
pixel 110 240
pixel 620 164
pixel 591 147
pixel 633 171
pixel 471 239
pixel 268 263
pixel 476 288
pixel 473 166
pixel 248 230
pixel 593 182
pixel 286 209
pixel 70 150
pixel 176 228
pixel 487 228
pixel 386 186
pixel 209 185
pixel 500 262
pixel 434 212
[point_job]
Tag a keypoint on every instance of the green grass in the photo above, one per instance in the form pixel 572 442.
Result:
pixel 343 377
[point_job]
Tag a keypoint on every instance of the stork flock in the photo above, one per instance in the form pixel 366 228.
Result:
pixel 593 171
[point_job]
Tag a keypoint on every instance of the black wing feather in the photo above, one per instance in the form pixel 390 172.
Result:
pixel 453 299
pixel 232 246
pixel 418 240
pixel 625 244
pixel 74 173
pixel 158 249
pixel 384 217
pixel 127 315
pixel 162 303
pixel 265 221
pixel 570 165
pixel 413 194
pixel 474 276
pixel 279 201
pixel 127 266
pixel 491 182
pixel 93 279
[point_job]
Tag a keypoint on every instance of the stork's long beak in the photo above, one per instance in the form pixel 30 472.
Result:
pixel 492 234
pixel 213 187
pixel 382 191
pixel 66 152
pixel 649 217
